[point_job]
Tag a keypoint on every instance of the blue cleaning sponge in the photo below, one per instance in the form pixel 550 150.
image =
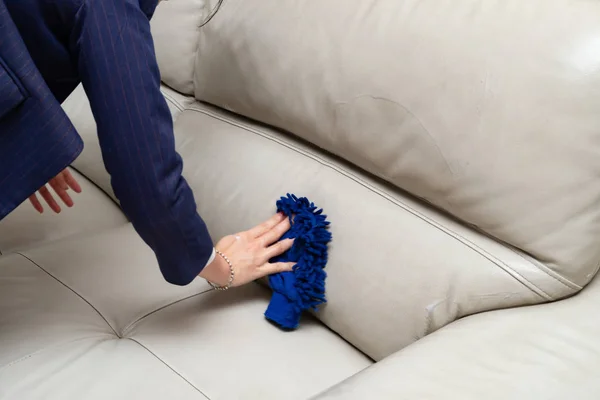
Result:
pixel 303 288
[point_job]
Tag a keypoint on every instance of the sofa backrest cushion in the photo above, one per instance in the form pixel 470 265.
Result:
pixel 489 110
pixel 175 28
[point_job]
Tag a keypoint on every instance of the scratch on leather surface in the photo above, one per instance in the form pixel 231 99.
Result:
pixel 404 115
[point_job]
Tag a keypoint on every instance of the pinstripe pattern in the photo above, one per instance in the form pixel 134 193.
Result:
pixel 11 94
pixel 107 46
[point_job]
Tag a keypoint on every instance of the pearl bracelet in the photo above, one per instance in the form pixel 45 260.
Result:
pixel 231 274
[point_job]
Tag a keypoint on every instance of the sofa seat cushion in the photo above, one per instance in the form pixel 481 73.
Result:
pixel 92 318
pixel 547 352
pixel 94 368
pixel 93 211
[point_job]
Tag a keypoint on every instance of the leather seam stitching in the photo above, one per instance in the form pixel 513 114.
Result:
pixel 74 292
pixel 50 347
pixel 169 367
pixel 543 268
pixel 526 282
pixel 140 318
pixel 212 13
pixel 540 266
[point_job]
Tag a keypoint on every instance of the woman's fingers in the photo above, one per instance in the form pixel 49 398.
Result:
pixel 35 202
pixel 274 268
pixel 60 184
pixel 277 249
pixel 59 181
pixel 266 226
pixel 250 251
pixel 49 199
pixel 276 233
pixel 71 181
pixel 60 187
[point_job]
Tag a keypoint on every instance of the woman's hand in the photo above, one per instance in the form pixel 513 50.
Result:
pixel 60 183
pixel 250 252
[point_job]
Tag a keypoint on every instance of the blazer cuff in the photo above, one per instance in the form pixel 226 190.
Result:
pixel 211 258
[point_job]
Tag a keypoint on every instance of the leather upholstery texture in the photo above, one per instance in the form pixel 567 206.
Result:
pixel 92 318
pixel 94 211
pixel 175 28
pixel 383 293
pixel 90 163
pixel 465 272
pixel 542 352
pixel 454 148
pixel 487 110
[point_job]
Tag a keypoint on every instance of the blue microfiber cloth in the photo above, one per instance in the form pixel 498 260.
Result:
pixel 303 288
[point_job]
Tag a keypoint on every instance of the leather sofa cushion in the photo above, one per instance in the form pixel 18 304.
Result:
pixel 94 368
pixel 545 352
pixel 397 270
pixel 92 318
pixel 488 110
pixel 175 28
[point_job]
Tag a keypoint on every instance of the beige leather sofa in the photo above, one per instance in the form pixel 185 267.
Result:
pixel 454 145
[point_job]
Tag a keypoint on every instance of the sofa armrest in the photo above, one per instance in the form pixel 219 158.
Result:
pixel 541 352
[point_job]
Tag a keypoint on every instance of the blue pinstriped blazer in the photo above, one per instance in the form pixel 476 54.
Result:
pixel 48 47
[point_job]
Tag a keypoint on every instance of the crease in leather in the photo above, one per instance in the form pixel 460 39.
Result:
pixel 139 318
pixel 72 290
pixel 430 325
pixel 211 14
pixel 169 367
pixel 93 182
pixel 209 18
pixel 172 100
pixel 490 257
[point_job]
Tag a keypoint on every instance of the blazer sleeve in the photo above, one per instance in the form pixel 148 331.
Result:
pixel 115 58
